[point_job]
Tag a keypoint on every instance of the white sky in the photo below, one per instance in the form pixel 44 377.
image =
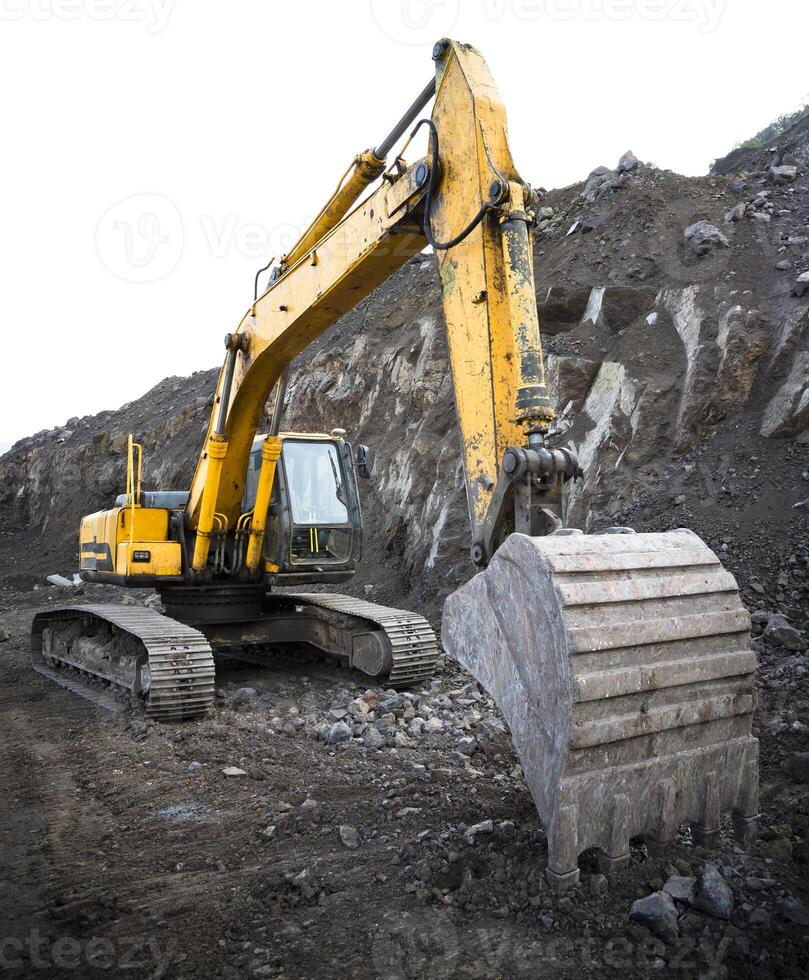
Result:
pixel 156 152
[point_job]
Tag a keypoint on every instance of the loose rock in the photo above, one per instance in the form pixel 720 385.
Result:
pixel 682 888
pixel 349 836
pixel 373 738
pixel 703 238
pixel 244 696
pixel 713 894
pixel 336 733
pixel 658 913
pixel 801 284
pixel 484 827
pixel 798 767
pixel 628 163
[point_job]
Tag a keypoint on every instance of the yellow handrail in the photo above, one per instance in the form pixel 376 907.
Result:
pixel 133 485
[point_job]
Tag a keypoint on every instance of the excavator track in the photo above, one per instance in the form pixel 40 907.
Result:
pixel 413 644
pixel 137 652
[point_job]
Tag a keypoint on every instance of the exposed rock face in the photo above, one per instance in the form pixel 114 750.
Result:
pixel 649 352
pixel 788 412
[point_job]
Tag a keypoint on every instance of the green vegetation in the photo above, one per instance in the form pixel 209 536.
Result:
pixel 778 127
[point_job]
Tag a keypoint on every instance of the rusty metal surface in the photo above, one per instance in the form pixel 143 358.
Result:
pixel 624 668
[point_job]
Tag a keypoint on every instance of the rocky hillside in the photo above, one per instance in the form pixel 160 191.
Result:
pixel 790 148
pixel 676 320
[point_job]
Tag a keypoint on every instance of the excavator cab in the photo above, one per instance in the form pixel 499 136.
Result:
pixel 314 520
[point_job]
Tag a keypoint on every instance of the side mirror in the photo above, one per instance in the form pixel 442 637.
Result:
pixel 365 462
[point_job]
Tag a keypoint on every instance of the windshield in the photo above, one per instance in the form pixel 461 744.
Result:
pixel 314 481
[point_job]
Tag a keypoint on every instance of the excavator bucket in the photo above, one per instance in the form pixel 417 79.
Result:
pixel 623 666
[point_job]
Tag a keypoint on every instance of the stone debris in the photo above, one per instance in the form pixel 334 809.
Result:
pixel 735 214
pixel 798 767
pixel 233 771
pixel 407 811
pixel 713 894
pixel 658 913
pixel 782 174
pixel 795 911
pixel 484 827
pixel 756 884
pixel 336 733
pixel 801 284
pixel 703 238
pixel 372 738
pixel 681 888
pixel 778 631
pixel 349 836
pixel 245 696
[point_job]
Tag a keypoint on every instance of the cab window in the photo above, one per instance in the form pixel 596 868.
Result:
pixel 315 483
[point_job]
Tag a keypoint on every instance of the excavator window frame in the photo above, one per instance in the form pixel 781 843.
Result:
pixel 278 547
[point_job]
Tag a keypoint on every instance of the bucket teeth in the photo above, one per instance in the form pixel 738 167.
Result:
pixel 624 668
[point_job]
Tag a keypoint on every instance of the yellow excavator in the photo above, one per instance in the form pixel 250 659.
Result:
pixel 622 662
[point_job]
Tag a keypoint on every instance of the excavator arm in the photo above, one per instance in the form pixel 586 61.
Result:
pixel 466 199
